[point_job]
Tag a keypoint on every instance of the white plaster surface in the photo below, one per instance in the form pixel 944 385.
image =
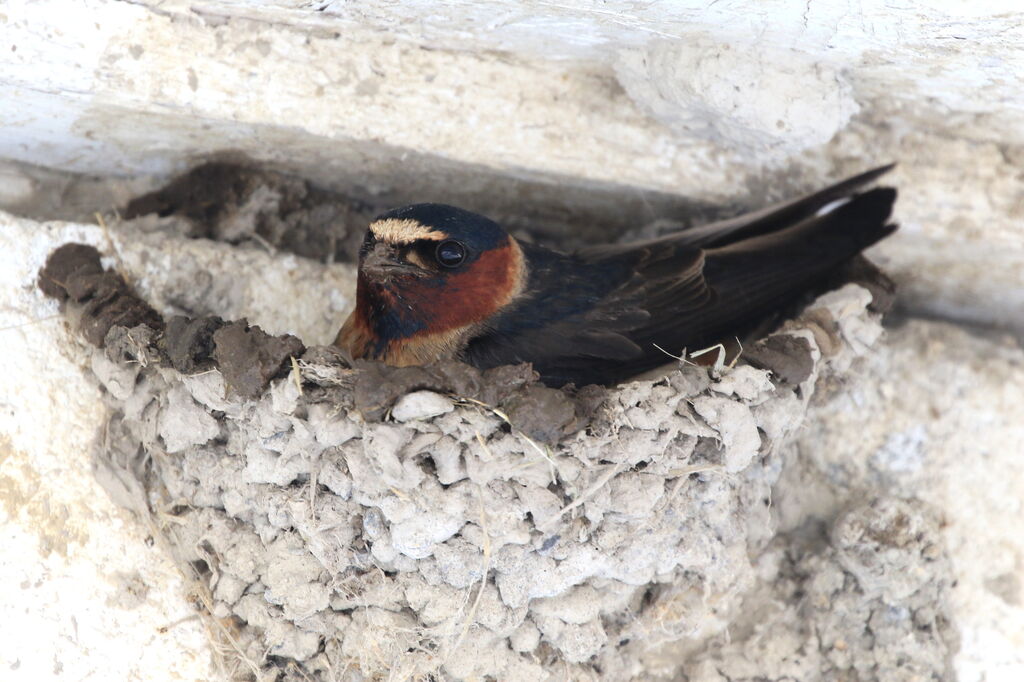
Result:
pixel 939 417
pixel 86 595
pixel 536 109
pixel 84 583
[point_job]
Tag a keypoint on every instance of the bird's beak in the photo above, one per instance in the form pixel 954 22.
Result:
pixel 384 262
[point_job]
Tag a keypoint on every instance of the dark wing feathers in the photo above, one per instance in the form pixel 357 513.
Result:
pixel 763 221
pixel 601 315
pixel 563 313
pixel 666 280
pixel 758 275
pixel 780 216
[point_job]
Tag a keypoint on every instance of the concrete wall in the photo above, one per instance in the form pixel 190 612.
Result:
pixel 625 112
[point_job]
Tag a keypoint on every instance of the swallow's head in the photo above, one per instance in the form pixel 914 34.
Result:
pixel 429 276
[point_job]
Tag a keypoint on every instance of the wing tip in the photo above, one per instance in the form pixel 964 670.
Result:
pixel 866 217
pixel 867 176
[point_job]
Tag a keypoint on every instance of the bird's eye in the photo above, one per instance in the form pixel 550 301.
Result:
pixel 450 253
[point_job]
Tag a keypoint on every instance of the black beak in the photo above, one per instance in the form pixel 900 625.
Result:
pixel 384 262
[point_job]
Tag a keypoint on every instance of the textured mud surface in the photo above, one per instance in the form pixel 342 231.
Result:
pixel 73 272
pixel 866 600
pixel 367 522
pixel 235 204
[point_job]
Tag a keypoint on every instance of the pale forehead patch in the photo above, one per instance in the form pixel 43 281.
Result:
pixel 404 231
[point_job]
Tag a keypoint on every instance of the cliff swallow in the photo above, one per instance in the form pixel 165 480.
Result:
pixel 439 282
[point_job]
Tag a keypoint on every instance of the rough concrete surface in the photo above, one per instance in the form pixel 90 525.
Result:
pixel 70 550
pixel 619 112
pixel 939 417
pixel 84 580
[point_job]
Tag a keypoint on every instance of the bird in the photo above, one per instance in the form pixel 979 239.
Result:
pixel 437 282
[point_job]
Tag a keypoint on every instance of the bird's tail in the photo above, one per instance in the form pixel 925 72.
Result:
pixel 763 222
pixel 766 270
pixel 779 216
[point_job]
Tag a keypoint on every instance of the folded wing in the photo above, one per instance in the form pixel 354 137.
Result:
pixel 605 313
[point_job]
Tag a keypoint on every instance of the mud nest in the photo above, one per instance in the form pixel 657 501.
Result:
pixel 363 522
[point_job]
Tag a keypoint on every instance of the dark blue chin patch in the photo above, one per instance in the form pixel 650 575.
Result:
pixel 390 322
pixel 390 326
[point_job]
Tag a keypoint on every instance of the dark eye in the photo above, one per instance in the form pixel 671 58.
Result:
pixel 450 253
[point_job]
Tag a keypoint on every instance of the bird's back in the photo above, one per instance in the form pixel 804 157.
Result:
pixel 604 314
